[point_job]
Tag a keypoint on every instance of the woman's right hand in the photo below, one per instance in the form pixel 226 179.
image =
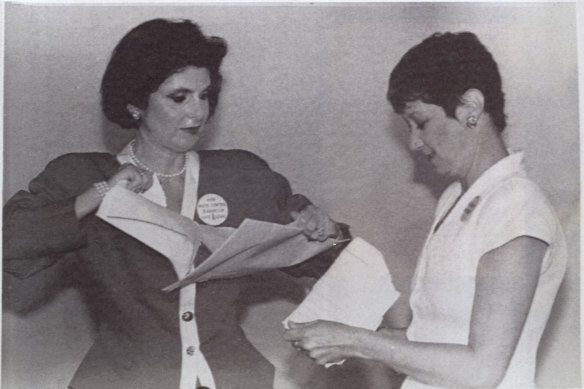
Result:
pixel 128 176
pixel 131 178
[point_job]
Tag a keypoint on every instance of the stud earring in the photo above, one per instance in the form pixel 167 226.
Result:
pixel 472 121
pixel 135 115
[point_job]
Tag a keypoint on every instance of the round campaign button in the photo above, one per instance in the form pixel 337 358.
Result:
pixel 212 209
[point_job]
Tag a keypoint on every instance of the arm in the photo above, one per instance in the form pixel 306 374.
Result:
pixel 244 173
pixel 129 176
pixel 42 224
pixel 41 233
pixel 506 282
pixel 42 230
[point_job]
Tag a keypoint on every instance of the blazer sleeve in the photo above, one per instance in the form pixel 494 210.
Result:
pixel 40 225
pixel 258 192
pixel 41 233
pixel 285 202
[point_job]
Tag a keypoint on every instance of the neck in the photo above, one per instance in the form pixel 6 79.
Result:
pixel 490 149
pixel 156 159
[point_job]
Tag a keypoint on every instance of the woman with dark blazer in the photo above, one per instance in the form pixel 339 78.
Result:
pixel 163 80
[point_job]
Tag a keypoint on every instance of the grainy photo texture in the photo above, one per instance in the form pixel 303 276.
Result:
pixel 285 113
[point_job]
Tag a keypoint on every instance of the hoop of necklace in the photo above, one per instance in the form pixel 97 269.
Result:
pixel 143 166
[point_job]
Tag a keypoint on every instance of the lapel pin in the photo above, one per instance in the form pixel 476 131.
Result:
pixel 470 208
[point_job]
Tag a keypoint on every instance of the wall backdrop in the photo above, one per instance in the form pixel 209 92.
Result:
pixel 305 89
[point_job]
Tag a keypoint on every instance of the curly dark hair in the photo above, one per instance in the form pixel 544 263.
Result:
pixel 441 69
pixel 148 55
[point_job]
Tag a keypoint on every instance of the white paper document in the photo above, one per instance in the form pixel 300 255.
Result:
pixel 253 247
pixel 256 246
pixel 357 290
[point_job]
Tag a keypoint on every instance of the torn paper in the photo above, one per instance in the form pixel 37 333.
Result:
pixel 356 290
pixel 254 246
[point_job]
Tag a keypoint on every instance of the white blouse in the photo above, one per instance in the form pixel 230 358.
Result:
pixel 194 367
pixel 501 205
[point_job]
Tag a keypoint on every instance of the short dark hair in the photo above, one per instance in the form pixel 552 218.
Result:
pixel 149 54
pixel 441 68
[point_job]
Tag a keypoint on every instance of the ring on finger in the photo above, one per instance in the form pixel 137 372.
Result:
pixel 320 231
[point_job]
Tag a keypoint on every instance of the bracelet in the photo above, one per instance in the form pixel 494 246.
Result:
pixel 339 241
pixel 102 188
pixel 340 238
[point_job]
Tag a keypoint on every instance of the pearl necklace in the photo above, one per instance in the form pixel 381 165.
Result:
pixel 143 166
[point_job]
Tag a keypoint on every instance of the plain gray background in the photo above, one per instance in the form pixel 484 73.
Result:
pixel 305 89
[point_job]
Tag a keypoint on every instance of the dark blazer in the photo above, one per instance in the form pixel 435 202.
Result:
pixel 137 344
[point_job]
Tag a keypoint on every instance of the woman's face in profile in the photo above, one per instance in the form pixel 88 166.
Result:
pixel 178 110
pixel 445 141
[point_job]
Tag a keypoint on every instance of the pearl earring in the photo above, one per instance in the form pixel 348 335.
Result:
pixel 472 121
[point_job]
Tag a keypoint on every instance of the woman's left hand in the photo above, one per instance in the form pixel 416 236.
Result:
pixel 324 341
pixel 316 223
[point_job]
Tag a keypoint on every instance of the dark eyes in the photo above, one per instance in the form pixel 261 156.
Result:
pixel 181 97
pixel 421 125
pixel 178 98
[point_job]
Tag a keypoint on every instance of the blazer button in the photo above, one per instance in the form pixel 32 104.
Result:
pixel 187 316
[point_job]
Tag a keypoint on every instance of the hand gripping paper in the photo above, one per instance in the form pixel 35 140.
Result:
pixel 357 290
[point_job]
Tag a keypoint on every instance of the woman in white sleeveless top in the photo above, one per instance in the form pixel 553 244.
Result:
pixel 495 257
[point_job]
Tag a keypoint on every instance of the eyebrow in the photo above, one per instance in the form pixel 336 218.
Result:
pixel 180 90
pixel 186 90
